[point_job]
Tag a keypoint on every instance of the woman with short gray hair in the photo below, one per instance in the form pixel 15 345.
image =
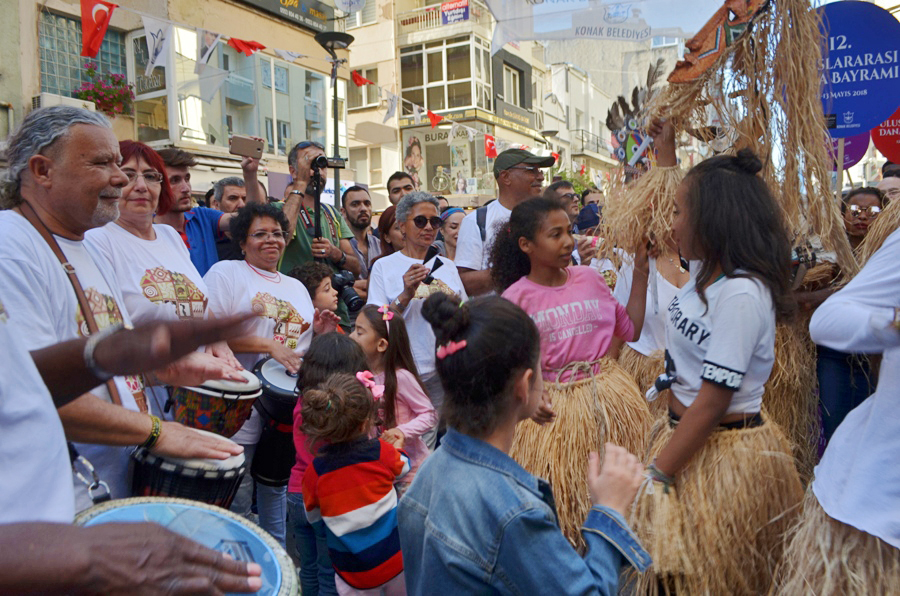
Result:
pixel 405 279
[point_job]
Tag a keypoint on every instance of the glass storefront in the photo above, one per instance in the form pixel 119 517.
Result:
pixel 457 168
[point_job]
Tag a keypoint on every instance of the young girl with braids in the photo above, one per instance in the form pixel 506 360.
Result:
pixel 474 521
pixel 591 398
pixel 405 412
pixel 349 487
pixel 722 485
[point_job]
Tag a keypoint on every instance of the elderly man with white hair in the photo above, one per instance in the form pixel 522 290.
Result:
pixel 64 179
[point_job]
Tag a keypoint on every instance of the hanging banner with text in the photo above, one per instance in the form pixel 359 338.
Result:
pixel 456 11
pixel 861 68
pixel 636 21
pixel 886 137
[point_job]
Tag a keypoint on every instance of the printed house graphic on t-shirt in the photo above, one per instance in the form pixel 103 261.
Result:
pixel 161 285
pixel 106 312
pixel 289 325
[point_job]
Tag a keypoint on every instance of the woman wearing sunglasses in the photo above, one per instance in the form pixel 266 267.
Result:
pixel 405 279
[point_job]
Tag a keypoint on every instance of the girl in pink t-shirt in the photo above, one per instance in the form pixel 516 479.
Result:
pixel 588 398
pixel 405 413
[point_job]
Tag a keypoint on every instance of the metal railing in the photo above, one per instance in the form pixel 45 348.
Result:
pixel 583 140
pixel 429 17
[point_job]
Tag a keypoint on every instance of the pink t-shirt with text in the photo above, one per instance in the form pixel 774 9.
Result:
pixel 577 320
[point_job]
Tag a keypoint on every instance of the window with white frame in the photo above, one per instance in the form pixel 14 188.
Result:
pixel 364 16
pixel 365 96
pixel 366 163
pixel 438 75
pixel 511 85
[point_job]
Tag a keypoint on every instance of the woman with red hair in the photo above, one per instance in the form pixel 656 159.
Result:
pixel 150 261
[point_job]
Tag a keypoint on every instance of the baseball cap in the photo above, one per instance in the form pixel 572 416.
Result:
pixel 513 157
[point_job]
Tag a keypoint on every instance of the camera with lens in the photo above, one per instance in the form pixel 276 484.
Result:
pixel 342 282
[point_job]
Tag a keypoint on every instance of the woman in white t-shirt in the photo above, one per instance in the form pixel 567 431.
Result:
pixel 848 540
pixel 282 328
pixel 400 279
pixel 722 487
pixel 150 261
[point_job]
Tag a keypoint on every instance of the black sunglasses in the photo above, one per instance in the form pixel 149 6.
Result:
pixel 421 221
pixel 307 144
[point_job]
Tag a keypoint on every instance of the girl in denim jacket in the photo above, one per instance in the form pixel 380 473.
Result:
pixel 474 521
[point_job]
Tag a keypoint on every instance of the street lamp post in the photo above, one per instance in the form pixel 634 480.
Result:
pixel 332 41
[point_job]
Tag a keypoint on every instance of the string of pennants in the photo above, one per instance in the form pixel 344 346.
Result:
pixel 96 14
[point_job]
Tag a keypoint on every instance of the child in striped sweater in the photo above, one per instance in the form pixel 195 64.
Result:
pixel 350 485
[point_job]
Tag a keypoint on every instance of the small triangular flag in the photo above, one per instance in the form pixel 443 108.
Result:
pixel 360 80
pixel 246 46
pixel 470 132
pixel 453 128
pixel 391 106
pixel 288 55
pixel 417 114
pixel 434 118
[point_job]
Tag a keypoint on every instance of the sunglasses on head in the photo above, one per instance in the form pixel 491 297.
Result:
pixel 308 144
pixel 421 221
pixel 856 210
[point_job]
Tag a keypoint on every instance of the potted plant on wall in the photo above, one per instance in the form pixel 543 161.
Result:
pixel 112 95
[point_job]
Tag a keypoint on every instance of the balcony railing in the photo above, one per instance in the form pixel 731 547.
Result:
pixel 583 141
pixel 429 17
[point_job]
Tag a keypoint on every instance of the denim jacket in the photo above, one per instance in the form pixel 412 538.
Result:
pixel 474 521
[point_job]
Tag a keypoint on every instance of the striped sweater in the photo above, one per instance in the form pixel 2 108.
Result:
pixel 350 487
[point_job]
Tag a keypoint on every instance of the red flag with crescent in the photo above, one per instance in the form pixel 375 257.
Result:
pixel 490 146
pixel 95 16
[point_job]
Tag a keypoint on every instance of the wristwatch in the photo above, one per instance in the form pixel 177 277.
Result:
pixel 342 261
pixel 296 192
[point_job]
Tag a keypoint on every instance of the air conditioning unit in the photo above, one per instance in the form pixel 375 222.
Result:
pixel 51 99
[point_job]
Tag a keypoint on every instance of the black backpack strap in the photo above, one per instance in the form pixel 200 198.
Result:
pixel 481 220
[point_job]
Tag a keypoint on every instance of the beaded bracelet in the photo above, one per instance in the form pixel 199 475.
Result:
pixel 155 431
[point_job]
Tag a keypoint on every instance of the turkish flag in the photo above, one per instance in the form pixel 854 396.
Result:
pixel 582 170
pixel 246 46
pixel 360 80
pixel 435 118
pixel 555 155
pixel 95 16
pixel 490 146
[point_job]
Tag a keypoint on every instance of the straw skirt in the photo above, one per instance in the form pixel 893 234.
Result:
pixel 720 529
pixel 825 557
pixel 589 412
pixel 644 370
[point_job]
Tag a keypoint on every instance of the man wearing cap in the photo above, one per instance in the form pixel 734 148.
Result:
pixel 519 177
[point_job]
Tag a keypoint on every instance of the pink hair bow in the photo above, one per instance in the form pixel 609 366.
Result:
pixel 452 347
pixel 386 313
pixel 368 381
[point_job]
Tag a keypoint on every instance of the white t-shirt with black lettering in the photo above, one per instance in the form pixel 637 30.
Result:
pixel 730 344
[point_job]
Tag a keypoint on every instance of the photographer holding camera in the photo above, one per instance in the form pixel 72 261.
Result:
pixel 332 247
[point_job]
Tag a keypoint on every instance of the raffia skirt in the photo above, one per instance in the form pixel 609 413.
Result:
pixel 590 411
pixel 790 398
pixel 720 529
pixel 825 557
pixel 644 370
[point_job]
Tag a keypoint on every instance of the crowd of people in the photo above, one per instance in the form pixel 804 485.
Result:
pixel 485 402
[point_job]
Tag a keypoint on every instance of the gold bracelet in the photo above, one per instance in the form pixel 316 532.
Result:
pixel 155 431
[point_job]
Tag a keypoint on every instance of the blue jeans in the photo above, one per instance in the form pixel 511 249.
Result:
pixel 316 572
pixel 845 381
pixel 270 502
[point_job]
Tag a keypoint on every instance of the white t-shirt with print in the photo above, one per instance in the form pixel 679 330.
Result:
pixel 653 333
pixel 471 252
pixel 730 344
pixel 37 290
pixel 284 313
pixel 858 481
pixel 37 479
pixel 157 278
pixel 386 283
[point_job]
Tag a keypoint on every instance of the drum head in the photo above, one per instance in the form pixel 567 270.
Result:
pixel 232 463
pixel 275 378
pixel 231 388
pixel 212 527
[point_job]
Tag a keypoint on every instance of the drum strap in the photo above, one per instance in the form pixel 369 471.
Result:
pixel 32 217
